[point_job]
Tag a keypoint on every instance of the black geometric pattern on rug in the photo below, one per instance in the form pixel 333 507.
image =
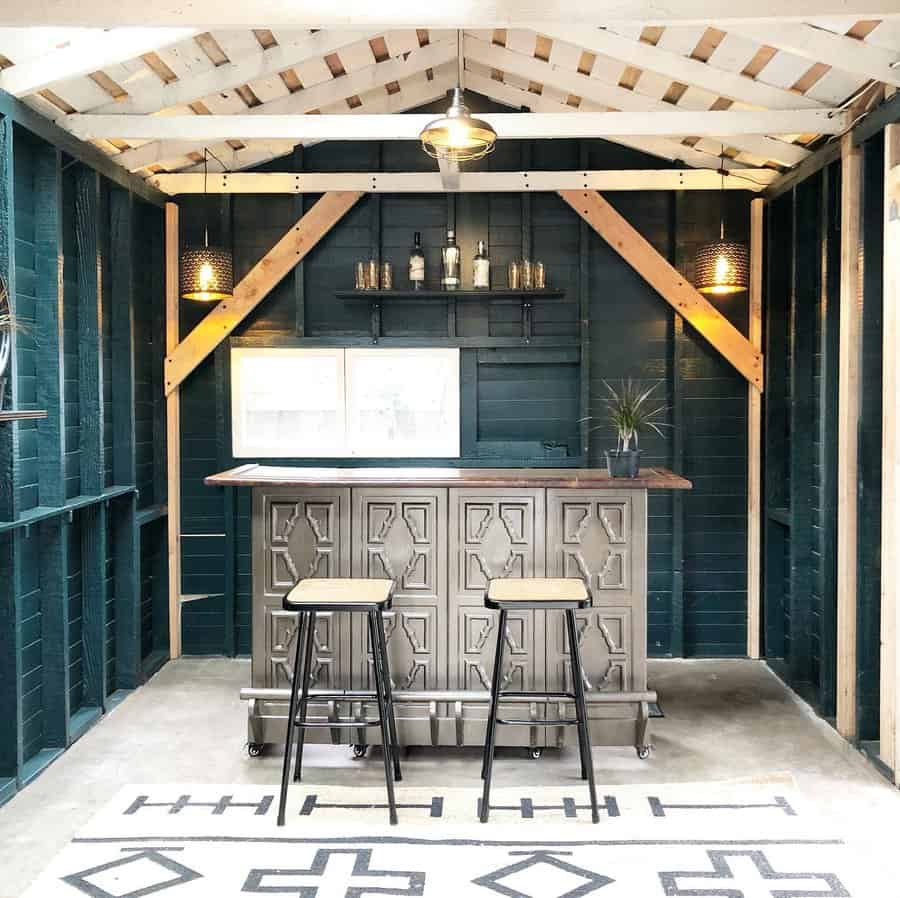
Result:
pixel 493 881
pixel 261 881
pixel 772 880
pixel 659 809
pixel 526 807
pixel 220 806
pixel 182 874
pixel 311 803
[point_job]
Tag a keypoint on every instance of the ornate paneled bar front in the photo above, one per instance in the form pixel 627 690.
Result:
pixel 440 535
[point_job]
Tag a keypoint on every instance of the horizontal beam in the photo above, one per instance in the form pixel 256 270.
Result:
pixel 86 52
pixel 413 13
pixel 753 179
pixel 516 126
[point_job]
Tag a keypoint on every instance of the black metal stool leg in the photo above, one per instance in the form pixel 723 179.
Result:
pixel 292 711
pixel 304 693
pixel 388 692
pixel 383 714
pixel 584 737
pixel 491 734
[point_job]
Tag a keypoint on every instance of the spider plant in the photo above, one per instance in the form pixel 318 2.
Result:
pixel 633 409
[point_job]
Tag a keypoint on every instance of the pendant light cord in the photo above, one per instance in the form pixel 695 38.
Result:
pixel 722 195
pixel 207 152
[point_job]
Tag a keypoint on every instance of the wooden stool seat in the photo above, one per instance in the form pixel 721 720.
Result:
pixel 343 591
pixel 320 595
pixel 566 594
pixel 538 592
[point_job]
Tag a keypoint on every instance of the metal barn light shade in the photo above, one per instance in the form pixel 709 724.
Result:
pixel 207 274
pixel 457 136
pixel 721 268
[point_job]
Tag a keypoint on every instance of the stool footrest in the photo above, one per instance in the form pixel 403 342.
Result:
pixel 562 722
pixel 338 724
pixel 538 696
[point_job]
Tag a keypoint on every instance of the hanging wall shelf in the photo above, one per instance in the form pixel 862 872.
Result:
pixel 22 416
pixel 524 298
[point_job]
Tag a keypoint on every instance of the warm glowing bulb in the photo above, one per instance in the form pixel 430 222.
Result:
pixel 722 268
pixel 205 277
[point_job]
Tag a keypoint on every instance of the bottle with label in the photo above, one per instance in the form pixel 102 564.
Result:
pixel 450 262
pixel 417 263
pixel 481 269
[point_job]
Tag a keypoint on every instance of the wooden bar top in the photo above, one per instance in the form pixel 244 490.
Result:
pixel 560 478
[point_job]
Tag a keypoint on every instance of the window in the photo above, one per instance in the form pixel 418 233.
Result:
pixel 377 403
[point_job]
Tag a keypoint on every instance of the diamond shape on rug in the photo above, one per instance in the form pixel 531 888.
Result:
pixel 734 840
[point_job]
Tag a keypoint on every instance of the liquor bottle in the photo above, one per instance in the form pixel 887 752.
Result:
pixel 417 263
pixel 450 262
pixel 481 269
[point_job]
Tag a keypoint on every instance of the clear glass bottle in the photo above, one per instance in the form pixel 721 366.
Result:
pixel 417 263
pixel 481 269
pixel 450 260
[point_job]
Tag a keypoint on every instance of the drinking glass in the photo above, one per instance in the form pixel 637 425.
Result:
pixel 540 276
pixel 514 275
pixel 360 278
pixel 527 274
pixel 387 276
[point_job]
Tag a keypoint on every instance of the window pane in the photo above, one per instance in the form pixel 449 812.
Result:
pixel 403 402
pixel 287 403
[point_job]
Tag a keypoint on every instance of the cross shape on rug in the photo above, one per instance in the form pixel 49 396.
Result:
pixel 761 880
pixel 335 877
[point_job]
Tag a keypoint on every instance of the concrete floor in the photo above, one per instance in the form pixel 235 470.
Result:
pixel 724 719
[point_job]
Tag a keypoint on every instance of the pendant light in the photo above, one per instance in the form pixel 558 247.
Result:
pixel 207 272
pixel 457 136
pixel 722 267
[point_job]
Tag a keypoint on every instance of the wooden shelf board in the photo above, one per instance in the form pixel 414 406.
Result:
pixel 22 415
pixel 494 295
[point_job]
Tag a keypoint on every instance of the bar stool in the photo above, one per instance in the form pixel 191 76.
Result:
pixel 539 593
pixel 308 598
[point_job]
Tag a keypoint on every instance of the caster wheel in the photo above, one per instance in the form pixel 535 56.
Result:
pixel 536 753
pixel 359 751
pixel 643 752
pixel 255 749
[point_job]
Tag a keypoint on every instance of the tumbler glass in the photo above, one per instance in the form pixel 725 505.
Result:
pixel 540 276
pixel 527 274
pixel 372 274
pixel 360 279
pixel 387 276
pixel 514 275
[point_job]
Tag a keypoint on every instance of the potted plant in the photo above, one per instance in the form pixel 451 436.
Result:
pixel 631 410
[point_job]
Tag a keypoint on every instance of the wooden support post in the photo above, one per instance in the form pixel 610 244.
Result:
pixel 173 435
pixel 890 463
pixel 668 282
pixel 185 356
pixel 848 424
pixel 754 436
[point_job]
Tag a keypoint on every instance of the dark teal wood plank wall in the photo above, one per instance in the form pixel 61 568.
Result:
pixel 802 338
pixel 88 294
pixel 524 405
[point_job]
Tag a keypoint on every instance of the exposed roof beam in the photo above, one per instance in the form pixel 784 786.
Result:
pixel 820 45
pixel 413 13
pixel 722 83
pixel 535 69
pixel 407 127
pixel 155 96
pixel 413 93
pixel 88 51
pixel 664 147
pixel 754 179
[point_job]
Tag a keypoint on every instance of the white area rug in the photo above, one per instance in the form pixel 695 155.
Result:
pixel 734 840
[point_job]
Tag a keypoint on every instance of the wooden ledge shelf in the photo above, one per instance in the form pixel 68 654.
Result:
pixel 429 293
pixel 523 298
pixel 27 415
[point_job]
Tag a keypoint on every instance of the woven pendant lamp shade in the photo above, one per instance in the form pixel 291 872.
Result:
pixel 206 274
pixel 721 268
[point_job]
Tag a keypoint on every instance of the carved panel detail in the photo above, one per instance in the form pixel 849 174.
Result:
pixel 604 636
pixel 595 542
pixel 410 635
pixel 303 541
pixel 479 643
pixel 284 630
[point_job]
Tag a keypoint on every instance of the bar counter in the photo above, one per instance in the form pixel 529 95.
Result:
pixel 441 534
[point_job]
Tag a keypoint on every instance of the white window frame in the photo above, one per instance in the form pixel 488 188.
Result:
pixel 243 445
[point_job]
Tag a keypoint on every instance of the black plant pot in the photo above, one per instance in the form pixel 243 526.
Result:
pixel 623 463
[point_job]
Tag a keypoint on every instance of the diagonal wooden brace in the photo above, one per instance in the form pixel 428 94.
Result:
pixel 668 282
pixel 258 283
